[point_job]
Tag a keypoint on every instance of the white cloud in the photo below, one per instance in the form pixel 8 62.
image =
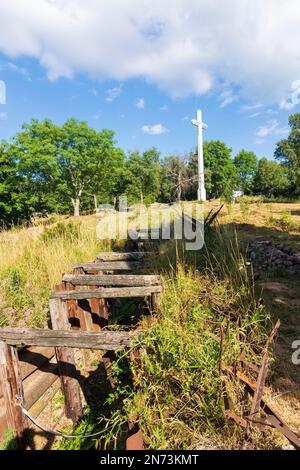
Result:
pixel 157 129
pixel 3 116
pixel 190 48
pixel 251 107
pixel 140 103
pixel 293 98
pixel 113 93
pixel 19 70
pixel 227 97
pixel 270 128
pixel 254 115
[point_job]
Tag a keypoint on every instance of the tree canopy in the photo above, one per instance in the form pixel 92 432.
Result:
pixel 246 166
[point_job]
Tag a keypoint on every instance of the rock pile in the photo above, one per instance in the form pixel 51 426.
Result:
pixel 266 256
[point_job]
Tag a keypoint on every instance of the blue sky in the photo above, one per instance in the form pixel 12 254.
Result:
pixel 146 80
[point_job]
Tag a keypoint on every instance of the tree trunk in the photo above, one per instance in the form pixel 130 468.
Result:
pixel 76 206
pixel 142 198
pixel 96 202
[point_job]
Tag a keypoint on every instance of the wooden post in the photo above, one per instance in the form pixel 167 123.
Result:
pixel 12 387
pixel 155 302
pixel 66 363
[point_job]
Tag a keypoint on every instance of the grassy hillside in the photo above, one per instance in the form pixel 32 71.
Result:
pixel 211 311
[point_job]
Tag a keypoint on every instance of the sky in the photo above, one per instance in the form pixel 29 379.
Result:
pixel 144 67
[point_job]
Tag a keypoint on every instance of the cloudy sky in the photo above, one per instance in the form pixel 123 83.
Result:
pixel 143 67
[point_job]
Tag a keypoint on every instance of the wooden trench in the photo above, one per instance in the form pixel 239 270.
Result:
pixel 79 317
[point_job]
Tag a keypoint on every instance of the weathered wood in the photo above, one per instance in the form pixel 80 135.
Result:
pixel 32 359
pixel 110 266
pixel 155 302
pixel 104 340
pixel 107 293
pixel 12 388
pixel 45 398
pixel 113 256
pixel 66 362
pixel 125 280
pixel 34 387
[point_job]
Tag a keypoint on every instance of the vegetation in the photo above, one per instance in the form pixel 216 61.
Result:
pixel 48 168
pixel 32 262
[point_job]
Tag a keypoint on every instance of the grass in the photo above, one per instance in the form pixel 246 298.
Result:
pixel 178 396
pixel 177 400
pixel 32 262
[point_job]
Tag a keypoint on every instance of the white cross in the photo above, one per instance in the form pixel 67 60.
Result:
pixel 201 186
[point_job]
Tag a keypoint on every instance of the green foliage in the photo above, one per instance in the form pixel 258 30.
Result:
pixel 61 230
pixel 288 152
pixel 142 176
pixel 246 164
pixel 284 222
pixel 57 165
pixel 9 440
pixel 270 178
pixel 220 172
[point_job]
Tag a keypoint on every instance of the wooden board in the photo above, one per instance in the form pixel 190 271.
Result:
pixel 104 340
pixel 110 266
pixel 107 293
pixel 125 280
pixel 131 256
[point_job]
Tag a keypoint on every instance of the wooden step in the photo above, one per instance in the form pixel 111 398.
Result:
pixel 104 340
pixel 109 266
pixel 131 256
pixel 126 280
pixel 107 293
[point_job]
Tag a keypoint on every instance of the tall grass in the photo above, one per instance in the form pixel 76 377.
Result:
pixel 209 315
pixel 33 260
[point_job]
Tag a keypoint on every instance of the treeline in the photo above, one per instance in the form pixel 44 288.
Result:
pixel 47 168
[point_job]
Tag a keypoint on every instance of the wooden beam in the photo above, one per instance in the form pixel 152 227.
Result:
pixel 12 388
pixel 104 340
pixel 107 293
pixel 110 266
pixel 66 362
pixel 113 256
pixel 125 280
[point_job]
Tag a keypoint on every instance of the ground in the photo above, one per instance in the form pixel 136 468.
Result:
pixel 250 220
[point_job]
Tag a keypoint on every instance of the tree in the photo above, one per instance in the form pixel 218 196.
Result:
pixel 246 165
pixel 220 172
pixel 176 179
pixel 288 152
pixel 68 160
pixel 143 176
pixel 270 178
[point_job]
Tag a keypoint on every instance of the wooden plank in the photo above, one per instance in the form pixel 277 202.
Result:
pixel 34 387
pixel 125 280
pixel 129 256
pixel 12 388
pixel 110 266
pixel 66 362
pixel 107 293
pixel 32 359
pixel 45 399
pixel 104 340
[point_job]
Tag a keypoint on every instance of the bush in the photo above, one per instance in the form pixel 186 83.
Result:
pixel 65 230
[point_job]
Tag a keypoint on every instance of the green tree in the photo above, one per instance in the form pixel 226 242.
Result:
pixel 246 165
pixel 68 160
pixel 143 176
pixel 220 171
pixel 270 178
pixel 288 152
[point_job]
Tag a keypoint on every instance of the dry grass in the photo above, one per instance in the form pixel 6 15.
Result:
pixel 33 260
